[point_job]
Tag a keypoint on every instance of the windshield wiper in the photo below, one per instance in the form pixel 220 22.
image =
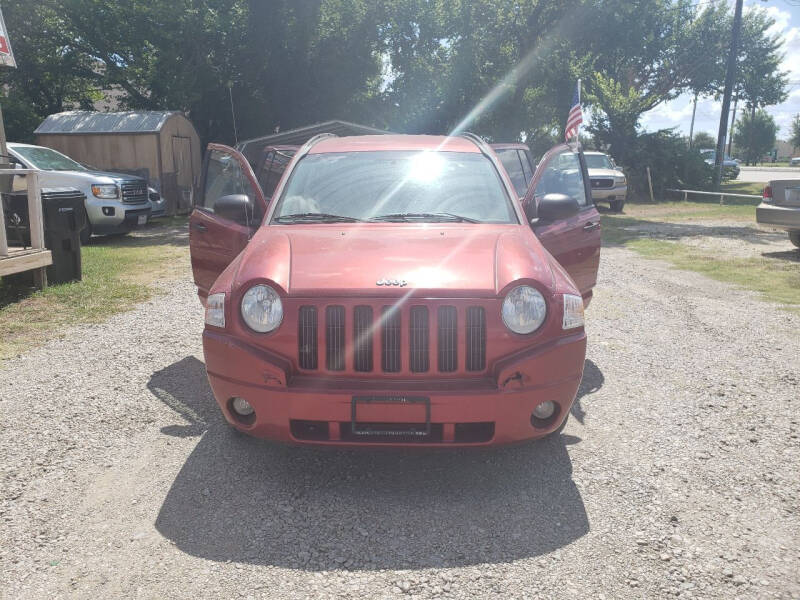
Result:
pixel 314 218
pixel 435 217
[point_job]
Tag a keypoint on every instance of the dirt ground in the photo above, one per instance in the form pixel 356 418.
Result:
pixel 675 477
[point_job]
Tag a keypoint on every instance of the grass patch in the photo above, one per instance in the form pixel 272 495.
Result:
pixel 118 273
pixel 702 207
pixel 692 211
pixel 743 187
pixel 776 279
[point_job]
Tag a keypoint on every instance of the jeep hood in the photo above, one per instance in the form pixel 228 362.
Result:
pixel 449 260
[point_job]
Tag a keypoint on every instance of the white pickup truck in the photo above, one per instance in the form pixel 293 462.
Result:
pixel 115 203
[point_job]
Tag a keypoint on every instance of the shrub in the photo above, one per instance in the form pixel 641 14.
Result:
pixel 672 165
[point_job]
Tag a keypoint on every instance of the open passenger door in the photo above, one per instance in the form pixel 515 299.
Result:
pixel 572 237
pixel 230 208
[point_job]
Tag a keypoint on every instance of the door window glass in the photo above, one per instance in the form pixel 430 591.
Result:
pixel 224 176
pixel 562 175
pixel 273 175
pixel 263 175
pixel 513 167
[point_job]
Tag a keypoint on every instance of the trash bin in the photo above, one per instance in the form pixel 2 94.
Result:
pixel 64 218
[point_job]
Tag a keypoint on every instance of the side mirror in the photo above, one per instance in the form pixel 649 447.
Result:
pixel 554 207
pixel 236 207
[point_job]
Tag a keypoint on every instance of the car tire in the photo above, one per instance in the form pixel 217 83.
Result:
pixel 794 237
pixel 616 205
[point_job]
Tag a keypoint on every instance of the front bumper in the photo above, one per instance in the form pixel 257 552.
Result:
pixel 786 217
pixel 608 194
pixel 125 218
pixel 158 209
pixel 492 410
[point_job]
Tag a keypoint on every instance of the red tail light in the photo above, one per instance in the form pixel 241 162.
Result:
pixel 767 192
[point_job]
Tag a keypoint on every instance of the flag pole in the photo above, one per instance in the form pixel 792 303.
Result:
pixel 578 128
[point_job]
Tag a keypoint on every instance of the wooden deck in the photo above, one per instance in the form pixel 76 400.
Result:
pixel 19 260
pixel 16 259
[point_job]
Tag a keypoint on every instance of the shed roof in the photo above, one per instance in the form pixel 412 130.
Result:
pixel 299 136
pixel 253 148
pixel 85 121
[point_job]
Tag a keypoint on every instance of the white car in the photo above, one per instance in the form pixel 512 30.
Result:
pixel 115 203
pixel 608 182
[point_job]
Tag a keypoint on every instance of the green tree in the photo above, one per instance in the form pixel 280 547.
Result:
pixel 760 81
pixel 794 140
pixel 755 135
pixel 704 140
pixel 645 56
pixel 501 68
pixel 51 73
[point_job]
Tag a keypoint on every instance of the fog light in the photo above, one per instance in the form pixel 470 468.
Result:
pixel 544 410
pixel 241 407
pixel 109 211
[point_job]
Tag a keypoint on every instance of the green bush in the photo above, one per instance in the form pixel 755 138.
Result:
pixel 672 165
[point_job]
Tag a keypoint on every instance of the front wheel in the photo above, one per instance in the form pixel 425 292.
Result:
pixel 794 237
pixel 616 205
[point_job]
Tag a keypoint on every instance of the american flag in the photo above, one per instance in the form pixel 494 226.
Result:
pixel 575 117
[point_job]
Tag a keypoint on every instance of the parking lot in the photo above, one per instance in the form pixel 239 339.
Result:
pixel 676 475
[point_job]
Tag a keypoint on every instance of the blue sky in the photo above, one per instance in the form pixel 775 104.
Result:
pixel 678 112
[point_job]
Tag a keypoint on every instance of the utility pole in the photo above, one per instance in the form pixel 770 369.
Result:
pixel 733 122
pixel 730 75
pixel 691 127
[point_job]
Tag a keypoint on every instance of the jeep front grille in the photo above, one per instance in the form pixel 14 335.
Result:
pixel 390 340
pixel 414 339
pixel 362 338
pixel 307 337
pixel 448 339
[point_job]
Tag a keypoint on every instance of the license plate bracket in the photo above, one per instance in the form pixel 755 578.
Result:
pixel 141 220
pixel 405 428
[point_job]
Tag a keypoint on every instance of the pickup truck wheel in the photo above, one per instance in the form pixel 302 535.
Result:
pixel 616 205
pixel 794 237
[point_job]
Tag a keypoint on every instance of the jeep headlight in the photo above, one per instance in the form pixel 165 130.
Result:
pixel 106 191
pixel 524 309
pixel 619 180
pixel 262 308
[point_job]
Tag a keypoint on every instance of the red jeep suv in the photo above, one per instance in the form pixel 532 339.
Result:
pixel 395 290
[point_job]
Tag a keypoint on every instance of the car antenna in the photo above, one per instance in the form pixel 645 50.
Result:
pixel 233 114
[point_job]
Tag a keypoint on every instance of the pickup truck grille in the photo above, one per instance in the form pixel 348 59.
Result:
pixel 134 192
pixel 602 183
pixel 415 340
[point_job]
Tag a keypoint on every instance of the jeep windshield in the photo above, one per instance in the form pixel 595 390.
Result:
pixel 394 186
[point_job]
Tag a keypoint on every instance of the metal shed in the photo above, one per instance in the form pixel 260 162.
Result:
pixel 161 146
pixel 252 148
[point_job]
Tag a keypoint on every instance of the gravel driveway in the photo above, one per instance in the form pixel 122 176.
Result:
pixel 678 475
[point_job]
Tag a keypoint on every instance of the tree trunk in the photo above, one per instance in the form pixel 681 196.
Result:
pixel 750 153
